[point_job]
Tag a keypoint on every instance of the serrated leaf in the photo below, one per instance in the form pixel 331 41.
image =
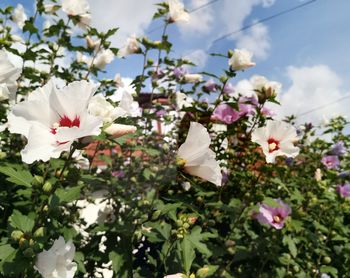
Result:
pixel 19 177
pixel 21 222
pixel 187 253
pixel 67 195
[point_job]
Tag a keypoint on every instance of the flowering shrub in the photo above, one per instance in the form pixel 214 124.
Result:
pixel 89 187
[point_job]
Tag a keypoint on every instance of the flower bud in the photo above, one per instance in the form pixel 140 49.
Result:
pixel 17 235
pixel 39 232
pixel 28 253
pixel 47 186
pixel 203 272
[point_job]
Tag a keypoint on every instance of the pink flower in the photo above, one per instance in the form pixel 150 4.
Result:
pixel 247 105
pixel 226 114
pixel 344 190
pixel 229 89
pixel 273 216
pixel 330 161
pixel 210 86
pixel 267 112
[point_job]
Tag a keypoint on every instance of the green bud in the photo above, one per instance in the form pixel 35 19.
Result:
pixel 23 243
pixel 179 223
pixel 230 53
pixel 39 232
pixel 38 180
pixel 156 214
pixel 223 78
pixel 17 235
pixel 327 260
pixel 203 272
pixel 47 187
pixel 296 268
pixel 28 253
pixel 186 225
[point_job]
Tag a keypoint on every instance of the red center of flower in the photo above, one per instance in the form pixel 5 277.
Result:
pixel 273 144
pixel 65 122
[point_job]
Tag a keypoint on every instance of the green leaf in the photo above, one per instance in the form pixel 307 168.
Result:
pixel 5 251
pixel 21 222
pixel 19 177
pixel 79 258
pixel 329 269
pixel 117 261
pixel 291 245
pixel 196 237
pixel 68 195
pixel 187 253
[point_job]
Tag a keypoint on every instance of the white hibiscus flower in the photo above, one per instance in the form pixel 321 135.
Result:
pixel 276 139
pixel 52 119
pixel 57 261
pixel 198 159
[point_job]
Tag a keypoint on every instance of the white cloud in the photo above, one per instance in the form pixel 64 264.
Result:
pixel 313 87
pixel 131 16
pixel 201 21
pixel 198 57
pixel 256 40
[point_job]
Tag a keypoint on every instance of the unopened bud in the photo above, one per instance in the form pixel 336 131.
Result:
pixel 39 232
pixel 47 186
pixel 17 235
pixel 28 253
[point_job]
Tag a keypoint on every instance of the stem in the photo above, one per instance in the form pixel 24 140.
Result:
pixel 27 43
pixel 159 56
pixel 92 61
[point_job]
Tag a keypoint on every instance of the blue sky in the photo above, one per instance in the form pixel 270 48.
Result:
pixel 306 50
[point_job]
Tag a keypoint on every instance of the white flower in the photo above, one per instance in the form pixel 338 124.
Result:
pixel 199 160
pixel 52 119
pixel 94 44
pixel 8 76
pixel 276 139
pixel 4 92
pixel 96 211
pixel 127 106
pixel 240 60
pixel 118 130
pixel 118 81
pixel 84 20
pixel 131 46
pixel 103 57
pixel 57 262
pixel 100 107
pixel 182 100
pixel 193 77
pixel 177 275
pixel 19 16
pixel 50 8
pixel 261 83
pixel 75 7
pixel 78 8
pixel 177 11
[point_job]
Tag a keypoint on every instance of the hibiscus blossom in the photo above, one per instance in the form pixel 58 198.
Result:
pixel 177 11
pixel 276 139
pixel 8 76
pixel 52 119
pixel 273 216
pixel 198 159
pixel 58 260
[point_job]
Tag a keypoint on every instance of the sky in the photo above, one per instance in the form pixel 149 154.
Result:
pixel 306 49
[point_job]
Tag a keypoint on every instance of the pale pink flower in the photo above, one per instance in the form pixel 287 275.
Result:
pixel 226 114
pixel 52 119
pixel 330 161
pixel 276 139
pixel 8 77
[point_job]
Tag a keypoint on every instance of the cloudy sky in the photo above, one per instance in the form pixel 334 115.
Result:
pixel 306 49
